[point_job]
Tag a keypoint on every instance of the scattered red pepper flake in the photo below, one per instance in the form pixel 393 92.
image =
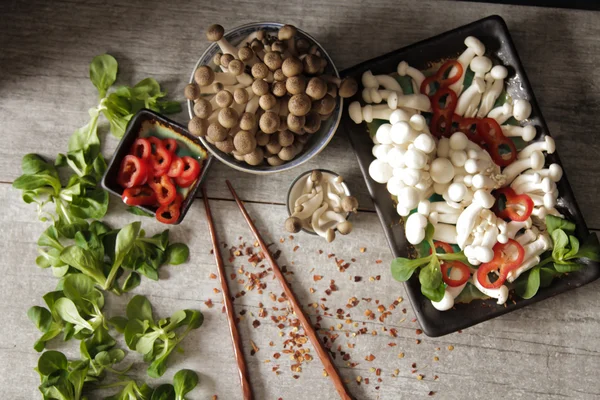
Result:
pixel 431 393
pixel 254 348
pixel 363 249
pixel 208 303
pixel 317 277
pixel 216 290
pixel 370 357
pixel 296 248
pixel 450 348
pixel 418 331
pixel 256 323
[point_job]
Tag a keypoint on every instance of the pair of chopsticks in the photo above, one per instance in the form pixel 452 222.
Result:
pixel 237 347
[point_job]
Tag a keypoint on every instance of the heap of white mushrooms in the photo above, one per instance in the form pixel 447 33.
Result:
pixel 321 206
pixel 414 165
pixel 270 95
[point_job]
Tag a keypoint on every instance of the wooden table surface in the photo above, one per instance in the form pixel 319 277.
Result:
pixel 550 350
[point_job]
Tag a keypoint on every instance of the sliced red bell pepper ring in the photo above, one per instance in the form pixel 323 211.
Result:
pixel 168 214
pixel 191 168
pixel 164 188
pixel 142 148
pixel 161 160
pixel 133 172
pixel 176 167
pixel 442 76
pixel 155 143
pixel 489 130
pixel 449 266
pixel 517 207
pixel 139 196
pixel 441 121
pixel 442 245
pixel 170 145
pixel 507 257
pixel 184 183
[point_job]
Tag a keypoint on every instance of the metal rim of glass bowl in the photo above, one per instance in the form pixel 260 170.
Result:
pixel 242 166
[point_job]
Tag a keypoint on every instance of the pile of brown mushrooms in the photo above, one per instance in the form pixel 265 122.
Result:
pixel 268 97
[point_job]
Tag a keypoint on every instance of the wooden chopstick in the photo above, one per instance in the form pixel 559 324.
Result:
pixel 310 332
pixel 235 336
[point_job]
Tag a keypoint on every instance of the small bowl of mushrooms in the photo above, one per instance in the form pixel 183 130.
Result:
pixel 265 97
pixel 319 202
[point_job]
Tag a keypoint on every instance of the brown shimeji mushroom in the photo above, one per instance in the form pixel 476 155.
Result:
pixel 269 122
pixel 260 70
pixel 312 123
pixel 241 96
pixel 299 105
pixel 324 106
pixel 236 67
pixel 267 101
pixel 226 146
pixel 346 87
pixel 292 66
pixel 285 138
pixel 223 98
pixel 198 126
pixel 202 108
pixel 279 89
pixel 273 60
pixel 295 84
pixel 312 64
pixel 247 121
pixel 302 46
pixel 279 76
pixel 191 91
pixel 262 138
pixel 273 147
pixel 282 123
pixel 287 153
pixel 350 204
pixel 217 59
pixel 205 76
pixel 244 79
pixel 295 123
pixel 260 87
pixel 247 56
pixel 228 117
pixel 287 33
pixel 274 161
pixel 244 142
pixel 316 88
pixel 255 157
pixel 278 46
pixel 293 224
pixel 214 33
pixel 216 132
pixel 225 60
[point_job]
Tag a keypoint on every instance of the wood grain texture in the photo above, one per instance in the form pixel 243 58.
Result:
pixel 547 351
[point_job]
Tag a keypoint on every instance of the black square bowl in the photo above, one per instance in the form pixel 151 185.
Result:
pixel 493 32
pixel 149 123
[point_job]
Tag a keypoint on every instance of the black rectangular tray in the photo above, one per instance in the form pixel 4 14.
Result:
pixel 493 32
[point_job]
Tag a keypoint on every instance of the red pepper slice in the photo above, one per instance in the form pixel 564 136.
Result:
pixel 176 167
pixel 191 168
pixel 183 183
pixel 161 160
pixel 170 145
pixel 142 148
pixel 164 188
pixel 446 271
pixel 441 121
pixel 489 130
pixel 139 196
pixel 169 213
pixel 155 143
pixel 133 172
pixel 442 245
pixel 503 262
pixel 517 207
pixel 440 76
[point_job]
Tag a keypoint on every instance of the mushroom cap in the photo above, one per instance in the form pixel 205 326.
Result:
pixel 269 122
pixel 240 96
pixel 255 157
pixel 283 123
pixel 287 153
pixel 350 204
pixel 285 138
pixel 191 91
pixel 315 176
pixel 262 138
pixel 300 104
pixel 274 161
pixel 216 132
pixel 260 34
pixel 202 108
pixel 287 32
pixel 223 98
pixel 279 89
pixel 244 142
pixel 312 63
pixel 245 54
pixel 226 59
pixel 312 122
pixel 292 66
pixel 316 88
pixel 279 76
pixel 236 67
pixel 301 138
pixel 237 156
pixel 204 76
pixel 273 60
pixel 260 87
pixel 344 228
pixel 295 84
pixel 256 45
pixel 296 123
pixel 198 126
pixel 215 32
pixel 273 146
pixel 260 70
pixel 293 224
pixel 267 101
pixel 217 58
pixel 226 146
pixel 302 46
pixel 348 88
pixel 228 117
pixel 332 89
pixel 325 106
pixel 278 46
pixel 217 87
pixel 247 121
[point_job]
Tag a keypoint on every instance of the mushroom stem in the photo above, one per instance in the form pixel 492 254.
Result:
pixel 416 75
pixel 367 113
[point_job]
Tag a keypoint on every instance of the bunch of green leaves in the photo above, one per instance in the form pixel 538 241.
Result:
pixel 430 273
pixel 131 391
pixel 184 381
pixel 76 311
pixel 61 379
pixel 568 255
pixel 155 339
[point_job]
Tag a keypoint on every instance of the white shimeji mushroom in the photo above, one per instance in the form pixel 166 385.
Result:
pixel 521 109
pixel 501 113
pixel 527 132
pixel 501 293
pixel 417 76
pixel 474 48
pixel 495 85
pixel 532 251
pixel 374 81
pixel 535 161
pixel 548 145
pixel 367 113
pixel 380 171
pixel 415 228
pixel 418 102
pixel 513 227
